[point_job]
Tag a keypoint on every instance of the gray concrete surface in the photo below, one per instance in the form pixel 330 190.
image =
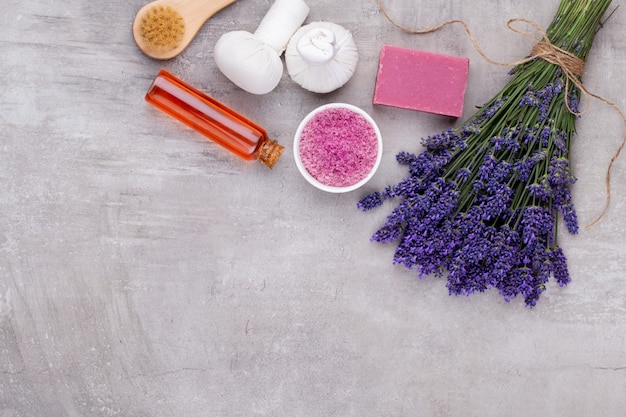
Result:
pixel 146 272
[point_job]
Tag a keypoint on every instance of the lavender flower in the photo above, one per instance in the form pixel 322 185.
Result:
pixel 482 202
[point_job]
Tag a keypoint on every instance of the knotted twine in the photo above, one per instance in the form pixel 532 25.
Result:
pixel 572 66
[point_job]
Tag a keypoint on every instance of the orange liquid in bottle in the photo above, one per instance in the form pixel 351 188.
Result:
pixel 213 119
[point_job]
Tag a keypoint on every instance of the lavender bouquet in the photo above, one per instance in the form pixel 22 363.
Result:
pixel 483 201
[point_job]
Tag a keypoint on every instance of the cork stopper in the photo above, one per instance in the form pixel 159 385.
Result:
pixel 269 152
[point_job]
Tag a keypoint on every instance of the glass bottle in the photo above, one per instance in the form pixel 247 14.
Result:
pixel 213 119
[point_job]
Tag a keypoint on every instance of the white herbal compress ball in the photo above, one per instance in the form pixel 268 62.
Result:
pixel 321 57
pixel 252 60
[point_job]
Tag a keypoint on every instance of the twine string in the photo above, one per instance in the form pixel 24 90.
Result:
pixel 572 66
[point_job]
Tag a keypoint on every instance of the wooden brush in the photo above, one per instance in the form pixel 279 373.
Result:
pixel 164 28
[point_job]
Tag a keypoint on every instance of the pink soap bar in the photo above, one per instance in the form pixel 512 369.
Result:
pixel 421 81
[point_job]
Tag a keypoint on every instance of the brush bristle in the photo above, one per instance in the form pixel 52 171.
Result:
pixel 162 28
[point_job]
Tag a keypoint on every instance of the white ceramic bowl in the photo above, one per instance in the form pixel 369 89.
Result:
pixel 310 178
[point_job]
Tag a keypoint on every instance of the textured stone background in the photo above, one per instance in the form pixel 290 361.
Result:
pixel 146 272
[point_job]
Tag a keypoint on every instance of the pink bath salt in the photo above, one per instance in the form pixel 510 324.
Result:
pixel 338 147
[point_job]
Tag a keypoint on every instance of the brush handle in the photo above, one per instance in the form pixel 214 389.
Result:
pixel 197 12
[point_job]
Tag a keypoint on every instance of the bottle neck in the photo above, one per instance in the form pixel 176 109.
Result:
pixel 269 152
